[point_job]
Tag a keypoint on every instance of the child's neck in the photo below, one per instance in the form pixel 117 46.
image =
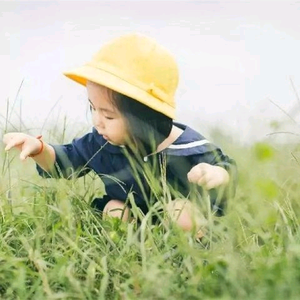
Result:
pixel 173 136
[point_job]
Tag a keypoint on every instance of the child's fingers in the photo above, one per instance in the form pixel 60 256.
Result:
pixel 200 179
pixel 13 142
pixel 6 139
pixel 24 154
pixel 9 136
pixel 9 145
pixel 208 176
pixel 197 174
pixel 202 176
pixel 193 175
pixel 210 184
pixel 214 181
pixel 206 182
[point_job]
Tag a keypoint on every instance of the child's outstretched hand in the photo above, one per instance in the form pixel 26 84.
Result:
pixel 208 176
pixel 28 145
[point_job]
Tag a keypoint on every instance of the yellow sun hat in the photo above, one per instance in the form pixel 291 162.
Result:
pixel 136 66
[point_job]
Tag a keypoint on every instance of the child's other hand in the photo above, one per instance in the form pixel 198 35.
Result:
pixel 28 145
pixel 208 176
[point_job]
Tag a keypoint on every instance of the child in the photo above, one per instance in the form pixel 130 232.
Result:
pixel 131 83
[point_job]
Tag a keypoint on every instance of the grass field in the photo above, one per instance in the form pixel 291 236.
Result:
pixel 53 246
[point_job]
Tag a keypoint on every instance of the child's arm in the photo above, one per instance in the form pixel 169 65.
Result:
pixel 29 146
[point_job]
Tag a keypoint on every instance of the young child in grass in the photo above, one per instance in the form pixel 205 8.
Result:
pixel 135 146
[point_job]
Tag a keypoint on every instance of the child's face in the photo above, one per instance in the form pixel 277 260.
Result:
pixel 107 120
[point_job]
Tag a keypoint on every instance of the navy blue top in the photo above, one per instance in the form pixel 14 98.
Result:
pixel 123 173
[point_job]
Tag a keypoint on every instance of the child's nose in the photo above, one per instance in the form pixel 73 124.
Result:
pixel 98 121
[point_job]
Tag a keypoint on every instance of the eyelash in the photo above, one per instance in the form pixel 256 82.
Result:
pixel 93 109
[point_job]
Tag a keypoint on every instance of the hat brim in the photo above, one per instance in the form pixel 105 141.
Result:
pixel 88 73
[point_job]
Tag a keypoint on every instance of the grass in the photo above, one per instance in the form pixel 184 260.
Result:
pixel 53 246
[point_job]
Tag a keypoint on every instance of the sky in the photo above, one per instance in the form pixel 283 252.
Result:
pixel 238 60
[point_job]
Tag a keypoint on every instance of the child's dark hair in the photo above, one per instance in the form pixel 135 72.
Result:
pixel 148 127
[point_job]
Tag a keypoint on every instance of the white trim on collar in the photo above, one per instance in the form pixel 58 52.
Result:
pixel 189 145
